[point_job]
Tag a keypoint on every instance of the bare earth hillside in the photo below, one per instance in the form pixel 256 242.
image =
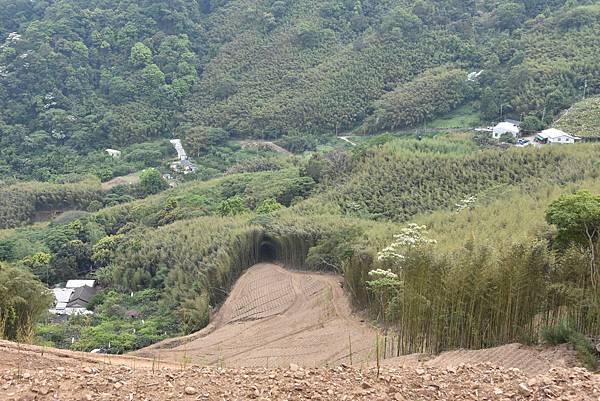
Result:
pixel 297 324
pixel 274 317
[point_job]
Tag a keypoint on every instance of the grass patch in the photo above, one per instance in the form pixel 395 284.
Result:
pixel 464 117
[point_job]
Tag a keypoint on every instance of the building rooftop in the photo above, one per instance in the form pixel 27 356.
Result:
pixel 80 283
pixel 62 295
pixel 554 133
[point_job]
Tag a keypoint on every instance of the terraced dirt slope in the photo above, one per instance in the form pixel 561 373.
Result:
pixel 274 317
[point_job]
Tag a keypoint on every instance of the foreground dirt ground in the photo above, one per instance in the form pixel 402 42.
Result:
pixel 27 375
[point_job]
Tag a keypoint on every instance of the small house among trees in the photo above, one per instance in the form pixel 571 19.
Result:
pixel 115 154
pixel 553 135
pixel 506 127
pixel 74 298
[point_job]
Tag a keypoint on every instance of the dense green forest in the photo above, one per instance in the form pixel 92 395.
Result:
pixel 119 74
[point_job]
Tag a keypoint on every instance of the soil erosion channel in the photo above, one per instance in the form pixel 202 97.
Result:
pixel 274 317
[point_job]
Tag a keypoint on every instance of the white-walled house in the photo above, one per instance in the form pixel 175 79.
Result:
pixel 115 154
pixel 553 135
pixel 505 128
pixel 73 299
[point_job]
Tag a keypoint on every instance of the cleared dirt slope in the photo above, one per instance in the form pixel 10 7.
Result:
pixel 530 360
pixel 274 317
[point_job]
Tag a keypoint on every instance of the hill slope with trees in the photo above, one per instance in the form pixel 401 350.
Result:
pixel 117 74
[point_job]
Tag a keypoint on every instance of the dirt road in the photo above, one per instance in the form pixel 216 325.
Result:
pixel 275 317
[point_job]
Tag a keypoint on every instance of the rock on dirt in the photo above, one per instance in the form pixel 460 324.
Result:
pixel 31 376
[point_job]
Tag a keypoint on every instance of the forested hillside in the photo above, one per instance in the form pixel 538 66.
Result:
pixel 77 77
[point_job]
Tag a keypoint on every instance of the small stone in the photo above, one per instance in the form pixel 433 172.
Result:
pixel 88 370
pixel 190 390
pixel 365 385
pixel 294 367
pixel 118 385
pixel 524 389
pixel 399 397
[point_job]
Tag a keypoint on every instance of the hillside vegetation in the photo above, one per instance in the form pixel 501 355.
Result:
pixel 497 273
pixel 19 203
pixel 509 250
pixel 123 73
pixel 583 119
pixel 399 180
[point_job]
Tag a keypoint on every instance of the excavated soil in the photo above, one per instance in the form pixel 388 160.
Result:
pixel 27 375
pixel 274 317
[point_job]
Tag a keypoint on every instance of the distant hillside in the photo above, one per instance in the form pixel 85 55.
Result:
pixel 583 119
pixel 80 76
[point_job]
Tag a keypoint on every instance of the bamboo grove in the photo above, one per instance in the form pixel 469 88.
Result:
pixel 496 274
pixel 20 203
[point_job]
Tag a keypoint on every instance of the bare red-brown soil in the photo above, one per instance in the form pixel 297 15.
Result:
pixel 274 317
pixel 26 375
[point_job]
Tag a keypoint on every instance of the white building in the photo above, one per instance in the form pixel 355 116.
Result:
pixel 73 299
pixel 553 135
pixel 80 283
pixel 61 298
pixel 179 148
pixel 115 154
pixel 505 128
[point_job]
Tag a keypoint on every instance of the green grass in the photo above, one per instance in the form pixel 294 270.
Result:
pixel 463 117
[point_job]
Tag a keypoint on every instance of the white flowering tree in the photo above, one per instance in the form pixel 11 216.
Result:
pixel 385 284
pixel 412 236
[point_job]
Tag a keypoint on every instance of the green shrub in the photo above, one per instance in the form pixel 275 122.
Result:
pixel 586 353
pixel 557 334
